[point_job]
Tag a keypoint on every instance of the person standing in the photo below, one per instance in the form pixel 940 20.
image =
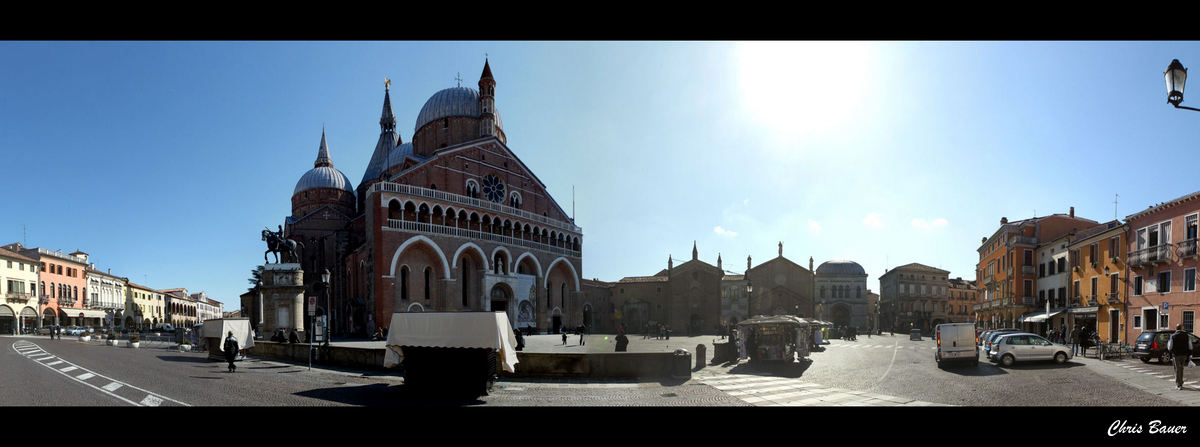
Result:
pixel 1074 341
pixel 564 335
pixel 1180 347
pixel 520 339
pixel 580 331
pixel 231 350
pixel 622 342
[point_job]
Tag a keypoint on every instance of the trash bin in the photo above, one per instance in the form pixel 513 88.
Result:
pixel 681 364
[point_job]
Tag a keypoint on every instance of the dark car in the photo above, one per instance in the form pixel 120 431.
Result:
pixel 1153 345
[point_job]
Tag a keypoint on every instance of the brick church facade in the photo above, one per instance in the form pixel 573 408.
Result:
pixel 451 221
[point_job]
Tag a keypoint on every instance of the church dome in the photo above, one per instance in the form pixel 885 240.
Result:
pixel 323 177
pixel 840 268
pixel 454 101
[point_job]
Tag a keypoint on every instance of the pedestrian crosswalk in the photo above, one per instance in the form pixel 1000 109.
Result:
pixel 1158 373
pixel 120 390
pixel 791 392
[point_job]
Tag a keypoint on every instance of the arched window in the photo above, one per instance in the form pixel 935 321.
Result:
pixel 404 283
pixel 51 290
pixel 428 277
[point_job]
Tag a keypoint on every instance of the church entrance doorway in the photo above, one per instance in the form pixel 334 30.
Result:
pixel 500 296
pixel 841 315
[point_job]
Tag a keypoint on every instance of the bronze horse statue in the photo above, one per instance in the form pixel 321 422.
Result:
pixel 277 244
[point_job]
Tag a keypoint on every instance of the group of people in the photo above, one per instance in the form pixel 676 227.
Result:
pixel 663 332
pixel 1080 337
pixel 282 336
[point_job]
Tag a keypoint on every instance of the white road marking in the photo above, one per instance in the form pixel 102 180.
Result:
pixel 151 399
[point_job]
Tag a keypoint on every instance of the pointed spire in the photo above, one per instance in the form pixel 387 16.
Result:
pixel 695 254
pixel 718 260
pixel 323 158
pixel 487 70
pixel 387 122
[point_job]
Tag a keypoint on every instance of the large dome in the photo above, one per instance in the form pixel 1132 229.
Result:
pixel 454 101
pixel 840 268
pixel 323 177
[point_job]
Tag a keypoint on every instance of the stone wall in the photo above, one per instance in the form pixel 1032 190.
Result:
pixel 615 365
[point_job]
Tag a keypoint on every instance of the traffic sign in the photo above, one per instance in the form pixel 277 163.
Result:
pixel 312 306
pixel 1164 305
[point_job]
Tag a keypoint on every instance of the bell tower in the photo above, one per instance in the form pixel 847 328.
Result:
pixel 487 102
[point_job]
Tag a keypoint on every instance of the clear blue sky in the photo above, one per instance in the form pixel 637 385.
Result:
pixel 165 160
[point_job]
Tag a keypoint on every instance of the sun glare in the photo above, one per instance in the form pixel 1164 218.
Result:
pixel 796 89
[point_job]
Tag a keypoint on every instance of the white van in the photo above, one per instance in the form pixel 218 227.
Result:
pixel 956 341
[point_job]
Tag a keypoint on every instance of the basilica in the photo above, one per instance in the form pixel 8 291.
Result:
pixel 450 220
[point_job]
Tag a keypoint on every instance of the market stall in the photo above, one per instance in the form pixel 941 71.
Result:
pixel 454 352
pixel 214 332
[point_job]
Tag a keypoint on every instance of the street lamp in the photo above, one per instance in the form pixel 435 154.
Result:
pixel 328 319
pixel 1176 77
pixel 749 296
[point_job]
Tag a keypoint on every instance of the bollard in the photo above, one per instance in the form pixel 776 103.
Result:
pixel 700 356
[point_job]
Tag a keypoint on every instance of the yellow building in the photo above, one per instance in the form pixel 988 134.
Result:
pixel 144 307
pixel 1098 281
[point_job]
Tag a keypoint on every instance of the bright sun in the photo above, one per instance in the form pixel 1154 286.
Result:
pixel 795 89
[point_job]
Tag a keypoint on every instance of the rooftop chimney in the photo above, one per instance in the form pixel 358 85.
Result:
pixel 1003 220
pixel 1072 211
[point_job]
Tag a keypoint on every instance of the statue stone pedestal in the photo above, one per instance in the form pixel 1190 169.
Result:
pixel 283 299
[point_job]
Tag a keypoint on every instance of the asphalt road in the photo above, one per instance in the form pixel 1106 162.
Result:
pixel 71 373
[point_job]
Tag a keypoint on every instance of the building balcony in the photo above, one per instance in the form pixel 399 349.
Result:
pixel 1186 249
pixel 434 229
pixel 1022 240
pixel 472 202
pixel 1092 301
pixel 1151 255
pixel 1028 270
pixel 1113 297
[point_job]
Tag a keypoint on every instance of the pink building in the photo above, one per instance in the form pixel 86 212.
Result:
pixel 1162 266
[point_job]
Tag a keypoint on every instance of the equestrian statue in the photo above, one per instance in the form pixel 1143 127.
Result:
pixel 284 249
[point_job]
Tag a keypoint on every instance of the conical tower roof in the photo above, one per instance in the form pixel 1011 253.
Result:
pixel 323 159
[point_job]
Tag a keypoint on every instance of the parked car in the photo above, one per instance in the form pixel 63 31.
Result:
pixel 987 344
pixel 1010 348
pixel 44 330
pixel 956 341
pixel 914 334
pixel 1153 345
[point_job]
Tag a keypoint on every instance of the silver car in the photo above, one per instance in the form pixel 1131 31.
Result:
pixel 1023 346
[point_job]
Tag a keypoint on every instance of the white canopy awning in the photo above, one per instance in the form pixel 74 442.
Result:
pixel 1039 317
pixel 452 330
pixel 87 313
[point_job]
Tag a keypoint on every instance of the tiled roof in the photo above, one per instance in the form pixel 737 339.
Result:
pixel 15 255
pixel 1092 231
pixel 643 279
pixel 1163 205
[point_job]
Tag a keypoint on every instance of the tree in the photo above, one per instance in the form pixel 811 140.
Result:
pixel 255 277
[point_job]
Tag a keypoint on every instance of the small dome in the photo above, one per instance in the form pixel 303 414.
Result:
pixel 454 101
pixel 323 177
pixel 840 268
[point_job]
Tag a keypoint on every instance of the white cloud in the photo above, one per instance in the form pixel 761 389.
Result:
pixel 814 225
pixel 723 231
pixel 928 225
pixel 873 220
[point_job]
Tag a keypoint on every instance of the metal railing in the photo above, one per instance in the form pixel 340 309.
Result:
pixel 1150 255
pixel 1028 270
pixel 470 201
pixel 422 227
pixel 18 295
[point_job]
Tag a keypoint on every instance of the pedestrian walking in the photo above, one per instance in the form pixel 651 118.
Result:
pixel 564 336
pixel 231 350
pixel 622 342
pixel 1180 347
pixel 580 331
pixel 520 339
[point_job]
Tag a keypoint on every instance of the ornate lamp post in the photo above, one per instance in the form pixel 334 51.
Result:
pixel 328 317
pixel 1176 77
